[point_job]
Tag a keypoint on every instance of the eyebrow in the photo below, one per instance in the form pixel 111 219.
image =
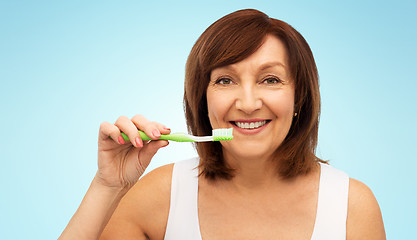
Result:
pixel 271 64
pixel 263 66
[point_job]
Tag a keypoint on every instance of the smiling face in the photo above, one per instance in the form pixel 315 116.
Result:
pixel 256 97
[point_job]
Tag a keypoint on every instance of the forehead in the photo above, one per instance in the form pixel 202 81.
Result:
pixel 272 53
pixel 272 50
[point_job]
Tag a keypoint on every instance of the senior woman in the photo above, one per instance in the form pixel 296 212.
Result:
pixel 257 75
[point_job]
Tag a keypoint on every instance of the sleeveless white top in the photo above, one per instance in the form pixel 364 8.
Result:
pixel 183 213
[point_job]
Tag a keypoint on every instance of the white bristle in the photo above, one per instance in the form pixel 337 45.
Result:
pixel 223 132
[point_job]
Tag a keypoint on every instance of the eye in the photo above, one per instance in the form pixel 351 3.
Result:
pixel 271 80
pixel 224 81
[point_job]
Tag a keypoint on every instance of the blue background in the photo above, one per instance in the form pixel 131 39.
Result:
pixel 67 66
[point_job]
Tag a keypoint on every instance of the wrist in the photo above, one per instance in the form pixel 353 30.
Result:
pixel 113 190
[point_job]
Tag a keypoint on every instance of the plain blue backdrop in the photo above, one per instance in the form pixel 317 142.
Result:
pixel 67 66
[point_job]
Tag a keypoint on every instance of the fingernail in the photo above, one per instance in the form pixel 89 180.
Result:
pixel 121 141
pixel 169 129
pixel 165 145
pixel 156 133
pixel 138 142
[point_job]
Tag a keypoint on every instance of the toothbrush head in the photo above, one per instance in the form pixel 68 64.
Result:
pixel 222 134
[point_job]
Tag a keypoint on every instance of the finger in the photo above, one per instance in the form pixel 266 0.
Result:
pixel 162 128
pixel 128 128
pixel 149 150
pixel 151 129
pixel 109 130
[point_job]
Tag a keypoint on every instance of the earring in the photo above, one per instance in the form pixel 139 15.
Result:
pixel 295 114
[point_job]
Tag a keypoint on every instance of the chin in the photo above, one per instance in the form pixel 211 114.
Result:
pixel 251 151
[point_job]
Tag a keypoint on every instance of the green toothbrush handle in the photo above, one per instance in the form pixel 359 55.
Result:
pixel 177 137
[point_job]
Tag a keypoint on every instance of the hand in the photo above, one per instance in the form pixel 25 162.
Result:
pixel 120 163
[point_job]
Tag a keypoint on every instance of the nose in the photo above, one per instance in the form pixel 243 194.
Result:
pixel 248 100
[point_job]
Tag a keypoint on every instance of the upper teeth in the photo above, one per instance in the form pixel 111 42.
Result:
pixel 251 125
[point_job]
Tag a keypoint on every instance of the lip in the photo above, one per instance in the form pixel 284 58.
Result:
pixel 250 131
pixel 250 120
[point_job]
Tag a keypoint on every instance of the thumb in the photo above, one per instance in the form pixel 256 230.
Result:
pixel 149 150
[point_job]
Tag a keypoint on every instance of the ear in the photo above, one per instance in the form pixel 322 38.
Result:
pixel 297 108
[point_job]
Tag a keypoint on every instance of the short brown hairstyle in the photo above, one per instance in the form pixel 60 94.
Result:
pixel 229 40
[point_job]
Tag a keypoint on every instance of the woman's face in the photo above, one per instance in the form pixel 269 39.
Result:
pixel 256 98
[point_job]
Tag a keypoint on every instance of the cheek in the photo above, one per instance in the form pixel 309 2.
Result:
pixel 282 104
pixel 217 106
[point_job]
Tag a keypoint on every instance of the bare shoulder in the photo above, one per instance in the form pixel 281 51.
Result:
pixel 143 211
pixel 364 218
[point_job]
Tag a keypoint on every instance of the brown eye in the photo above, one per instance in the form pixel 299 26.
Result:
pixel 271 81
pixel 224 81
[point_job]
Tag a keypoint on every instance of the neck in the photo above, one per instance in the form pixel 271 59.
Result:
pixel 253 173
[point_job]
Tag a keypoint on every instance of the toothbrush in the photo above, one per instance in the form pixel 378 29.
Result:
pixel 221 134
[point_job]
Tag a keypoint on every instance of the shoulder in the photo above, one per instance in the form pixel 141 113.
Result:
pixel 364 218
pixel 153 189
pixel 144 210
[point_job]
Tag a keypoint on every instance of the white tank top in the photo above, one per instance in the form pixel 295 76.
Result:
pixel 183 221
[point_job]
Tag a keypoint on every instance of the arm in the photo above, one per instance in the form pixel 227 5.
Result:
pixel 120 164
pixel 364 220
pixel 94 212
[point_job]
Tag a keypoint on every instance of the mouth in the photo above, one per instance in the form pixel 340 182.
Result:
pixel 251 124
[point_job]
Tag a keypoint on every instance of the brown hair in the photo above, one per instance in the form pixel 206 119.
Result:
pixel 230 40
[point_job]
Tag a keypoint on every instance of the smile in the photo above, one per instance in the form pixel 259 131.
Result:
pixel 251 125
